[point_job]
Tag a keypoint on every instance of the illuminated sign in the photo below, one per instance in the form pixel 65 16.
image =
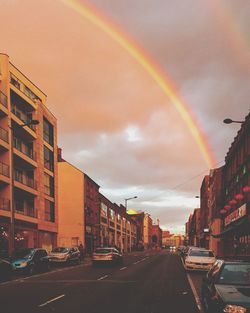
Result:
pixel 236 214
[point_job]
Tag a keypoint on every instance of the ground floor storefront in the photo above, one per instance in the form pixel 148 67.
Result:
pixel 26 235
pixel 234 239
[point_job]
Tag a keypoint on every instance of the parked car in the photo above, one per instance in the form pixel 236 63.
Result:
pixel 226 287
pixel 107 255
pixel 199 259
pixel 30 260
pixel 65 255
pixel 5 270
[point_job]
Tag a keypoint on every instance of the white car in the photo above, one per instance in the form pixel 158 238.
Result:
pixel 199 259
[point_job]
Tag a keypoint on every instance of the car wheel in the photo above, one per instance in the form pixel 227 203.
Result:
pixel 206 305
pixel 48 267
pixel 31 270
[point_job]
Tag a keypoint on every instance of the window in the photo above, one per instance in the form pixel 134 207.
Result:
pixel 48 159
pixel 49 211
pixel 48 185
pixel 48 132
pixel 104 209
pixel 112 214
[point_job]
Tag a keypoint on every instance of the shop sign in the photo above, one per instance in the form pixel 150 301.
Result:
pixel 236 214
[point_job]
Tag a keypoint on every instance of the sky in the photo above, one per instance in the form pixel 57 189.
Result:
pixel 115 122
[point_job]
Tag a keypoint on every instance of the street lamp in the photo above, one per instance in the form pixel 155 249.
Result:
pixel 12 207
pixel 229 121
pixel 126 200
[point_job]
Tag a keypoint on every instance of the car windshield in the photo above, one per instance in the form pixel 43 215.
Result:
pixel 201 253
pixel 235 274
pixel 101 251
pixel 24 253
pixel 60 250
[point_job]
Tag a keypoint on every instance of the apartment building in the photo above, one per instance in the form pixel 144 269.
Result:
pixel 28 172
pixel 117 229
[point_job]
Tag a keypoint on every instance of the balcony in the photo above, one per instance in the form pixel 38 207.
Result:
pixel 24 148
pixel 4 135
pixel 25 118
pixel 23 91
pixel 3 99
pixel 4 169
pixel 25 179
pixel 22 209
pixel 4 204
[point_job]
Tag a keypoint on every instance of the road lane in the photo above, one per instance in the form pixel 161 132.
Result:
pixel 149 283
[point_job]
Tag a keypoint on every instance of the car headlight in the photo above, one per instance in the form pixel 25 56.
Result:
pixel 234 309
pixel 23 264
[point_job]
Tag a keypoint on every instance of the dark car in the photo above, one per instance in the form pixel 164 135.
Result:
pixel 65 255
pixel 107 255
pixel 226 287
pixel 5 270
pixel 30 260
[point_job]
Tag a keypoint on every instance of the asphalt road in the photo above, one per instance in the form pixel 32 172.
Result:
pixel 146 283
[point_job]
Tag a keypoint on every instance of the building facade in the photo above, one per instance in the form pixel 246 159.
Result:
pixel 204 213
pixel 28 171
pixel 156 236
pixel 147 231
pixel 71 222
pixel 235 233
pixel 92 214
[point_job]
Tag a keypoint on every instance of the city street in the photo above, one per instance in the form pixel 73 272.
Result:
pixel 147 282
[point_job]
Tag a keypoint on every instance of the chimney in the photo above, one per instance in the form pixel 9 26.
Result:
pixel 59 155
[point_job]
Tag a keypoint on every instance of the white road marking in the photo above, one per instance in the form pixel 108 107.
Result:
pixel 136 262
pixel 103 277
pixel 52 300
pixel 123 268
pixel 197 299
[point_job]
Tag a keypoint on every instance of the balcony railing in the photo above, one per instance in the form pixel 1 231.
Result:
pixel 4 134
pixel 25 180
pixel 25 149
pixel 4 169
pixel 3 99
pixel 32 212
pixel 22 116
pixel 4 204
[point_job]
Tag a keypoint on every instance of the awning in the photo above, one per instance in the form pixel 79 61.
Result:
pixel 231 228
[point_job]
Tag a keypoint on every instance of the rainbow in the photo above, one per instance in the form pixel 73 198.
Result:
pixel 90 13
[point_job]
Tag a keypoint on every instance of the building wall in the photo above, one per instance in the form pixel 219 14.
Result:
pixel 71 228
pixel 92 214
pixel 147 231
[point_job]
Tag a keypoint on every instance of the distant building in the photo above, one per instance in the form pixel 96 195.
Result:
pixel 147 231
pixel 204 212
pixel 156 236
pixel 92 214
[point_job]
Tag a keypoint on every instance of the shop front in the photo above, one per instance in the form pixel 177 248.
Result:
pixel 235 236
pixel 4 239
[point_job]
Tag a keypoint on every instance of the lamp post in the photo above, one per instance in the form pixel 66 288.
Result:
pixel 126 201
pixel 12 207
pixel 230 121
